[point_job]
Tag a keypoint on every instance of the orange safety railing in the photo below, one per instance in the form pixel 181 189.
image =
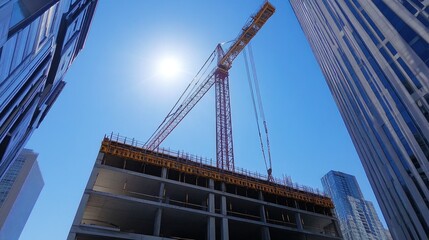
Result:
pixel 192 164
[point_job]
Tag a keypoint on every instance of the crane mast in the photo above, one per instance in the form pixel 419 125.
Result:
pixel 218 77
pixel 224 145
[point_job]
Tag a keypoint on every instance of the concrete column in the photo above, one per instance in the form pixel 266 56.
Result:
pixel 89 186
pixel 81 209
pixel 211 228
pixel 79 216
pixel 223 206
pixel 211 206
pixel 223 209
pixel 71 236
pixel 164 173
pixel 162 185
pixel 298 221
pixel 94 174
pixel 211 221
pixel 161 192
pixel 298 218
pixel 157 222
pixel 100 157
pixel 337 228
pixel 158 214
pixel 265 232
pixel 262 208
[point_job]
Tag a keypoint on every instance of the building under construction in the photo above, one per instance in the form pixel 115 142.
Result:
pixel 135 193
pixel 140 191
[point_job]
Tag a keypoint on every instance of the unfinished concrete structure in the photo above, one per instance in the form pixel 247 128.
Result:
pixel 134 193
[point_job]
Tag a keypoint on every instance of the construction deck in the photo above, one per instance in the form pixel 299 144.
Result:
pixel 185 163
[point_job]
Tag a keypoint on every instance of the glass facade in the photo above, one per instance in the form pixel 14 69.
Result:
pixel 358 218
pixel 19 190
pixel 374 55
pixel 39 40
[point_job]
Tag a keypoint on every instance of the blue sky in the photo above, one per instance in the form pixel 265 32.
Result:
pixel 113 86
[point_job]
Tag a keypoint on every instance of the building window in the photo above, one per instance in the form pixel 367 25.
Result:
pixel 46 24
pixel 409 7
pixel 410 73
pixel 24 9
pixel 420 46
pixel 402 78
pixel 391 48
pixel 423 19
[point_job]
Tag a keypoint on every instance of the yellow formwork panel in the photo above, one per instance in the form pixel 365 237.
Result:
pixel 142 155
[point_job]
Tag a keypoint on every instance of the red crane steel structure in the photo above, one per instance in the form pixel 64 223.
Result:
pixel 219 77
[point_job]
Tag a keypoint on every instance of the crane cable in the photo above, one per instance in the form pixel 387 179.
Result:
pixel 261 110
pixel 188 91
pixel 256 90
pixel 252 92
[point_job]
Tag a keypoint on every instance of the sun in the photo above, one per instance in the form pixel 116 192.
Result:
pixel 168 67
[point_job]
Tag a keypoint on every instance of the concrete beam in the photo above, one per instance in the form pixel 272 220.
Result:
pixel 97 231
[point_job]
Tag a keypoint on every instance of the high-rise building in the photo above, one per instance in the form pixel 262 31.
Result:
pixel 374 55
pixel 135 193
pixel 358 218
pixel 39 39
pixel 19 189
pixel 388 234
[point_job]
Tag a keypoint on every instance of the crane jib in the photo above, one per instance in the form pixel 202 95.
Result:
pixel 247 33
pixel 219 75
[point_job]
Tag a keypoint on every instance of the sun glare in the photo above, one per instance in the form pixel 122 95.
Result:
pixel 168 67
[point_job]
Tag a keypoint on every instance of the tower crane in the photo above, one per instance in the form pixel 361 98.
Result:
pixel 218 76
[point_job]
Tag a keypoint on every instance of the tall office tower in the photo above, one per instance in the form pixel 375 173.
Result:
pixel 374 55
pixel 135 193
pixel 358 218
pixel 387 234
pixel 19 190
pixel 39 39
